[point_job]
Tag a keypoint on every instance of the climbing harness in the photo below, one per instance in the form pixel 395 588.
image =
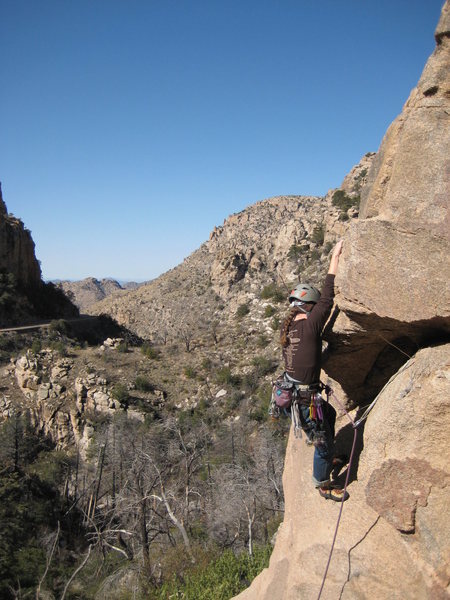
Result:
pixel 288 395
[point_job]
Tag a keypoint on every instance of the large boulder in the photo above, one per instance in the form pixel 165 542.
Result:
pixel 393 278
pixel 394 537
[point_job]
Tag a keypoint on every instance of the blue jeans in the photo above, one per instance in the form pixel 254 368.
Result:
pixel 323 453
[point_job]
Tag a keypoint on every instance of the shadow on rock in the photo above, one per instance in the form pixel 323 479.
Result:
pixel 344 443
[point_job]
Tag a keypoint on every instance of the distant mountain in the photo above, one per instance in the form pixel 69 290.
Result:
pixel 88 291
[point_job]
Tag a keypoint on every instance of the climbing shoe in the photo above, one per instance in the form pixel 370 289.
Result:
pixel 335 494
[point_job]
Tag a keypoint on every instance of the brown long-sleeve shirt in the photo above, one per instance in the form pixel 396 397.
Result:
pixel 302 356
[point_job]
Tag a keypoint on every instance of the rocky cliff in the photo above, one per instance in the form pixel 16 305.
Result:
pixel 24 297
pixel 17 249
pixel 63 396
pixel 389 338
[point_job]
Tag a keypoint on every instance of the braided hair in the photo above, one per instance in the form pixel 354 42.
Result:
pixel 284 339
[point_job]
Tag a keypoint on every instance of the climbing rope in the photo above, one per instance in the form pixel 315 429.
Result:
pixel 349 466
pixel 355 425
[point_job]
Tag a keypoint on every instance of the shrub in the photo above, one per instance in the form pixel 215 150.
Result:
pixel 251 381
pixel 150 352
pixel 207 364
pixel 273 525
pixel 122 347
pixel 59 347
pixel 328 247
pixel 258 413
pixel 259 410
pixel 190 372
pixel 269 311
pixel 224 376
pixel 318 234
pixel 243 309
pixel 224 577
pixel 279 296
pixel 58 326
pixel 233 400
pixel 121 394
pixel 143 384
pixel 36 346
pixel 295 251
pixel 315 255
pixel 342 201
pixel 275 323
pixel 262 341
pixel 274 292
pixel 262 365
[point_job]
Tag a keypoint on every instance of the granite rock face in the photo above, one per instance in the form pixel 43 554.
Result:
pixel 17 249
pixel 63 404
pixel 406 205
pixel 393 278
pixel 393 540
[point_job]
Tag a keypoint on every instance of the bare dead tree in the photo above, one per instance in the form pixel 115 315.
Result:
pixel 48 561
pixel 168 500
pixel 93 500
pixel 186 451
pixel 241 491
pixel 269 464
pixel 163 335
pixel 215 326
pixel 187 335
pixel 75 573
pixel 252 487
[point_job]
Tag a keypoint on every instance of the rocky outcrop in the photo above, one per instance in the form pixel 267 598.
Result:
pixel 259 238
pixel 393 541
pixel 88 291
pixel 356 180
pixel 42 379
pixel 17 249
pixel 24 297
pixel 394 271
pixel 388 339
pixel 65 405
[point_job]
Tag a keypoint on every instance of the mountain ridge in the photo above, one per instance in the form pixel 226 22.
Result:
pixel 271 242
pixel 90 290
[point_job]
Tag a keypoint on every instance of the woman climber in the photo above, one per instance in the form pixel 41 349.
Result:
pixel 301 340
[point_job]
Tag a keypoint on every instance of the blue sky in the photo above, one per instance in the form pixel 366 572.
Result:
pixel 130 128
